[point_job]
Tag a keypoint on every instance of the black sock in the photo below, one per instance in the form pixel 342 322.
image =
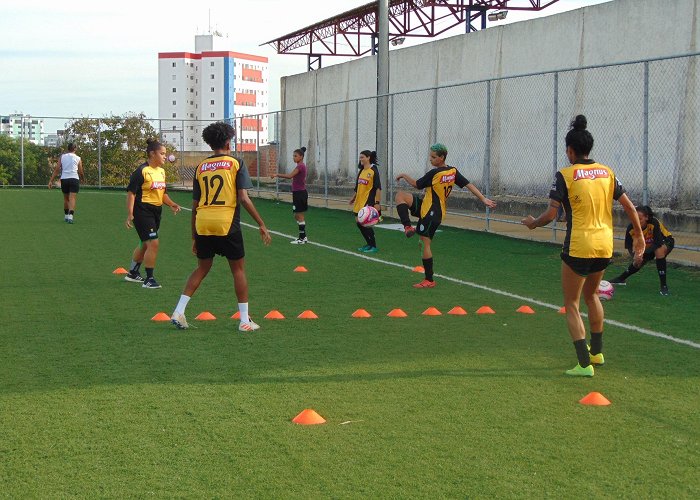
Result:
pixel 428 266
pixel 302 230
pixel 596 343
pixel 582 353
pixel 370 237
pixel 661 268
pixel 65 211
pixel 363 232
pixel 149 272
pixel 629 272
pixel 135 266
pixel 71 212
pixel 402 210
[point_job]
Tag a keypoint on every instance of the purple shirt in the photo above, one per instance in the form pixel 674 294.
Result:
pixel 299 180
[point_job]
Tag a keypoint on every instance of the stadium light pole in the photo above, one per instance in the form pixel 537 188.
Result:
pixel 382 146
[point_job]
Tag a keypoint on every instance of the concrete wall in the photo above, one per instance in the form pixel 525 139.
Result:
pixel 516 155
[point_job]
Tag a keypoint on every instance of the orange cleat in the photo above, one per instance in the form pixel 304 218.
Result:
pixel 425 284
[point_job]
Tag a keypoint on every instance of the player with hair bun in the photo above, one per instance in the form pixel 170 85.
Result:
pixel 431 207
pixel 300 197
pixel 368 193
pixel 586 189
pixel 658 243
pixel 145 196
pixel 219 190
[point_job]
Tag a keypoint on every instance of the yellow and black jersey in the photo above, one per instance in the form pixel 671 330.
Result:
pixel 438 184
pixel 655 234
pixel 366 186
pixel 148 185
pixel 215 188
pixel 587 190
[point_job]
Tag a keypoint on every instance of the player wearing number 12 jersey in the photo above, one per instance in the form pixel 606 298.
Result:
pixel 431 207
pixel 219 190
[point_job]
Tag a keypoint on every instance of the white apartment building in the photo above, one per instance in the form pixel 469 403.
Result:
pixel 14 124
pixel 201 87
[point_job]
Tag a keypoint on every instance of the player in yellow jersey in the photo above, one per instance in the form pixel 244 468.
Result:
pixel 219 191
pixel 658 243
pixel 431 207
pixel 586 189
pixel 144 202
pixel 368 193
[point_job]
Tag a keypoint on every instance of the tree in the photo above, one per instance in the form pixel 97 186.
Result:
pixel 123 147
pixel 38 162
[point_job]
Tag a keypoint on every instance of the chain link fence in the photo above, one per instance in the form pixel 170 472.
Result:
pixel 505 135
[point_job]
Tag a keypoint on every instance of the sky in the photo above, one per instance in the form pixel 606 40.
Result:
pixel 95 58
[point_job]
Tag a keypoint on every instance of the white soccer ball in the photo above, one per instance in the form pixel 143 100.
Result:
pixel 367 216
pixel 171 158
pixel 606 290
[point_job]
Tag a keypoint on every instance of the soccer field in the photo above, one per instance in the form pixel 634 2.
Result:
pixel 98 400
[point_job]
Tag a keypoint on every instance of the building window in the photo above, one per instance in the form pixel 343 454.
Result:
pixel 174 127
pixel 174 89
pixel 211 63
pixel 212 89
pixel 212 115
pixel 174 103
pixel 212 77
pixel 174 115
pixel 174 65
pixel 211 102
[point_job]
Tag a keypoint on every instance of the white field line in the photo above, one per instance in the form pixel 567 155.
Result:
pixel 613 322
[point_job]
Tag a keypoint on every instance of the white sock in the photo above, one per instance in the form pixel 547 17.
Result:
pixel 182 304
pixel 243 309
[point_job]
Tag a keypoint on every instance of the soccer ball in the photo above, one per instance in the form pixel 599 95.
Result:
pixel 606 290
pixel 367 216
pixel 171 158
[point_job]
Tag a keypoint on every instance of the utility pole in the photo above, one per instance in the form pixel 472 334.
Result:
pixel 382 146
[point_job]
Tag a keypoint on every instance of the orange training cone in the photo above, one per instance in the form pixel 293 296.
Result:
pixel 161 316
pixel 419 269
pixel 120 270
pixel 236 315
pixel 274 314
pixel 485 310
pixel 397 313
pixel 457 311
pixel 308 314
pixel 205 316
pixel 562 310
pixel 309 417
pixel 361 313
pixel 525 310
pixel 594 399
pixel 431 311
pixel 300 269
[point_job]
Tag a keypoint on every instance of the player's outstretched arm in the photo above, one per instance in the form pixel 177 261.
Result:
pixel 410 180
pixel 475 191
pixel 637 238
pixel 250 208
pixel 545 217
pixel 290 175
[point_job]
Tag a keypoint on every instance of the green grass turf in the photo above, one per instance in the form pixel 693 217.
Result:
pixel 97 400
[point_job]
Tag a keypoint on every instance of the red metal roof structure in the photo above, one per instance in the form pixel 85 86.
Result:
pixel 354 33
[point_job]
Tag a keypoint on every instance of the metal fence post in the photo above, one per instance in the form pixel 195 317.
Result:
pixel 325 153
pixel 301 117
pixel 487 156
pixel 99 153
pixel 357 135
pixel 277 157
pixel 434 119
pixel 555 137
pixel 645 145
pixel 258 121
pixel 390 180
pixel 21 149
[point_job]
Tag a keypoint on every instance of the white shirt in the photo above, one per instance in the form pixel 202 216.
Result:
pixel 69 166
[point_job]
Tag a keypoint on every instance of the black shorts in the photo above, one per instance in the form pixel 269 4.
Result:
pixel 650 255
pixel 70 186
pixel 230 246
pixel 300 201
pixel 426 226
pixel 583 266
pixel 147 222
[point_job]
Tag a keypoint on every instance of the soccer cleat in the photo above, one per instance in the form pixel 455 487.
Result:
pixel 364 248
pixel 597 359
pixel 133 277
pixel 617 281
pixel 578 371
pixel 299 241
pixel 65 218
pixel 251 326
pixel 425 284
pixel 664 291
pixel 150 283
pixel 70 219
pixel 370 250
pixel 409 230
pixel 179 321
